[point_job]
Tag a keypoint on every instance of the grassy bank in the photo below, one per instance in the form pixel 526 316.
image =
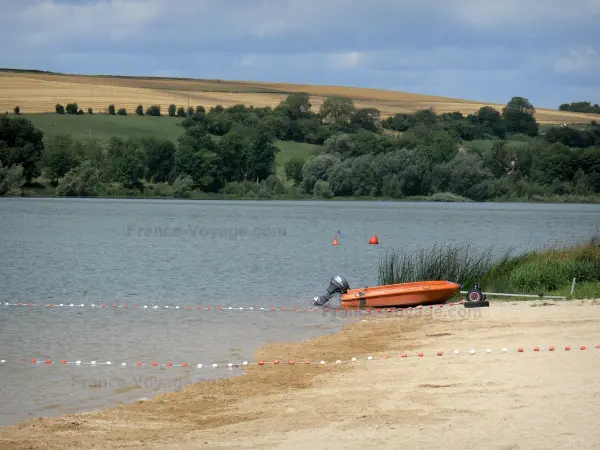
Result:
pixel 154 190
pixel 42 188
pixel 549 271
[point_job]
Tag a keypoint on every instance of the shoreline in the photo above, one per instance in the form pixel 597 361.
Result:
pixel 417 199
pixel 245 410
pixel 176 381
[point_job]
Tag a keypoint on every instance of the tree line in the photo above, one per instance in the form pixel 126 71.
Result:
pixel 582 107
pixel 175 111
pixel 154 110
pixel 232 151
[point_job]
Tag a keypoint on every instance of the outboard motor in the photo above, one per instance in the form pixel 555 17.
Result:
pixel 337 285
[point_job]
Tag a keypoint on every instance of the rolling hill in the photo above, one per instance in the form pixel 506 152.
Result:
pixel 38 92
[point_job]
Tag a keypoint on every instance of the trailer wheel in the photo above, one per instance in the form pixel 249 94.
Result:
pixel 476 298
pixel 474 295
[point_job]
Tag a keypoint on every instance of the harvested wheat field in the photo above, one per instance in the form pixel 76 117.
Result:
pixel 39 92
pixel 534 399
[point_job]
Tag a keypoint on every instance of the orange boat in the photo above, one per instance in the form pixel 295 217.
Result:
pixel 393 295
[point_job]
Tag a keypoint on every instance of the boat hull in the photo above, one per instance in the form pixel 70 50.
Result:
pixel 403 294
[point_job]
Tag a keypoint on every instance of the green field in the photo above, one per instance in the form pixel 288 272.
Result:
pixel 103 127
pixel 289 149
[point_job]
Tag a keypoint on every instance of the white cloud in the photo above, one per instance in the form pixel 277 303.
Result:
pixel 482 14
pixel 444 57
pixel 577 61
pixel 271 28
pixel 276 18
pixel 44 22
pixel 248 61
pixel 447 47
pixel 348 60
pixel 48 22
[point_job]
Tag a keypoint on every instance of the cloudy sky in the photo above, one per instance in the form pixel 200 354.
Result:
pixel 544 50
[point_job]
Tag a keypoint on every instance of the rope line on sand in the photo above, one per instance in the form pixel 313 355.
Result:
pixel 420 354
pixel 31 305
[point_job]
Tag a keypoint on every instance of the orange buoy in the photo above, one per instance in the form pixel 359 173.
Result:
pixel 335 242
pixel 374 240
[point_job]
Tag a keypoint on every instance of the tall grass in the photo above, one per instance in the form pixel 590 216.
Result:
pixel 548 270
pixel 537 271
pixel 462 263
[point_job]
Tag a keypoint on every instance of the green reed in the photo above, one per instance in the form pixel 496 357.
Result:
pixel 538 271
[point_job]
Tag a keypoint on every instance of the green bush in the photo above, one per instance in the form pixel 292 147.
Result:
pixel 234 189
pixel 183 186
pixel 274 184
pixel 82 181
pixel 153 110
pixel 162 189
pixel 72 108
pixel 322 189
pixel 447 197
pixel 12 180
pixel 293 169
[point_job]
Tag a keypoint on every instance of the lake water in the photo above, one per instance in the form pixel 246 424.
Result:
pixel 208 253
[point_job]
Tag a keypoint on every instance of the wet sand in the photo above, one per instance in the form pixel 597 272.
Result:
pixel 498 400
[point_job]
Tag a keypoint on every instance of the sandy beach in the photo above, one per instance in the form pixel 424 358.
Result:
pixel 501 400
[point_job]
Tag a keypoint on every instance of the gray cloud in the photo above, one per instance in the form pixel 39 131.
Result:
pixel 459 48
